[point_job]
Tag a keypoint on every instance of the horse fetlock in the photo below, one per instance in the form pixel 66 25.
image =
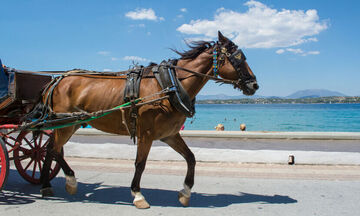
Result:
pixel 184 195
pixel 46 192
pixel 71 184
pixel 139 200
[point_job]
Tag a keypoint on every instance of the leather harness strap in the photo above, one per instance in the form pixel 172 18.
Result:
pixel 165 74
pixel 131 93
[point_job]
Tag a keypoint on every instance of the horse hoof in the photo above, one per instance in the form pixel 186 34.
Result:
pixel 71 185
pixel 47 192
pixel 141 204
pixel 184 200
pixel 70 189
pixel 139 200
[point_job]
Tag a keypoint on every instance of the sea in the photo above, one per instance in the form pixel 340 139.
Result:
pixel 277 117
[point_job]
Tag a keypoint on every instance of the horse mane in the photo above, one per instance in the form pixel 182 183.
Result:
pixel 196 48
pixel 147 69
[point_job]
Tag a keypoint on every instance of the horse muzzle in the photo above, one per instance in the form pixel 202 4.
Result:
pixel 249 88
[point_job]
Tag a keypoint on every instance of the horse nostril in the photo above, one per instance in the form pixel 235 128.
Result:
pixel 255 86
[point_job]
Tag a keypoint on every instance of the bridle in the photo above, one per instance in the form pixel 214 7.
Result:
pixel 236 59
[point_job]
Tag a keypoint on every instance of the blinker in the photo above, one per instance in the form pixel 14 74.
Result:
pixel 237 58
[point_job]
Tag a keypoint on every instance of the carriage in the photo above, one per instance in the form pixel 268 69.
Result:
pixel 19 92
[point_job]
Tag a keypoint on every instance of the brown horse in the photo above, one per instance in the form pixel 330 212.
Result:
pixel 158 121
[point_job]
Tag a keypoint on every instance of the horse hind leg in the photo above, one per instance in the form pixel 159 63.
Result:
pixel 46 189
pixel 71 183
pixel 62 136
pixel 178 144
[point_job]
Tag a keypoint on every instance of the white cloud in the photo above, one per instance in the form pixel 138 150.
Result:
pixel 184 10
pixel 107 70
pixel 143 14
pixel 136 58
pixel 114 59
pixel 297 51
pixel 260 26
pixel 313 53
pixel 103 53
pixel 280 51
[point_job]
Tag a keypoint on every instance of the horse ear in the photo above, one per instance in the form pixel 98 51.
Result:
pixel 222 38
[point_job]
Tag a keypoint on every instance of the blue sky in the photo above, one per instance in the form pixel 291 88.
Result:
pixel 290 45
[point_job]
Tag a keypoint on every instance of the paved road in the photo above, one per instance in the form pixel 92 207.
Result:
pixel 220 189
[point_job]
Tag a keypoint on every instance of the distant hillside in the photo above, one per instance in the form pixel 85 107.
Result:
pixel 315 93
pixel 225 97
pixel 308 93
pixel 318 100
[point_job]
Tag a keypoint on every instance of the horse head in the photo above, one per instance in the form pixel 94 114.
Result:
pixel 231 65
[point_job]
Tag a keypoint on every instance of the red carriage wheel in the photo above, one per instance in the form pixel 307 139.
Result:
pixel 29 157
pixel 4 164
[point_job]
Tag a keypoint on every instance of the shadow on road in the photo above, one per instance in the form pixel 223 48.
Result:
pixel 18 192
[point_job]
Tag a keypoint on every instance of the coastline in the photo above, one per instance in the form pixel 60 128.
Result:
pixel 279 100
pixel 249 134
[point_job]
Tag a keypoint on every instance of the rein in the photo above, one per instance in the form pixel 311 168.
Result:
pixel 216 79
pixel 61 120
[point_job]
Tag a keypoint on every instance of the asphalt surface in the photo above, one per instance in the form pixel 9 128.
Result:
pixel 220 188
pixel 233 177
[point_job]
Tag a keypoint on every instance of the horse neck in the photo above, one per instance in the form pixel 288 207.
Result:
pixel 192 83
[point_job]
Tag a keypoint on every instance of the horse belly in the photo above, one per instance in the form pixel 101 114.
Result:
pixel 110 124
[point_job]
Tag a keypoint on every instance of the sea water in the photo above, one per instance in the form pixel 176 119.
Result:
pixel 277 117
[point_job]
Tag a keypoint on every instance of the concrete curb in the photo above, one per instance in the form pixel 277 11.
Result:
pixel 165 153
pixel 250 134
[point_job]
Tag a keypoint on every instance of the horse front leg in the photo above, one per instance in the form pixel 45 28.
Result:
pixel 143 148
pixel 178 144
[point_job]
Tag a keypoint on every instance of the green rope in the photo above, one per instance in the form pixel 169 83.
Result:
pixel 88 119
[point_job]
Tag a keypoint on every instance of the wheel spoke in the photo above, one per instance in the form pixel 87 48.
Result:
pixel 8 143
pixel 29 164
pixel 46 143
pixel 35 141
pixel 40 167
pixel 24 150
pixel 40 139
pixel 12 149
pixel 10 138
pixel 28 142
pixel 23 157
pixel 34 169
